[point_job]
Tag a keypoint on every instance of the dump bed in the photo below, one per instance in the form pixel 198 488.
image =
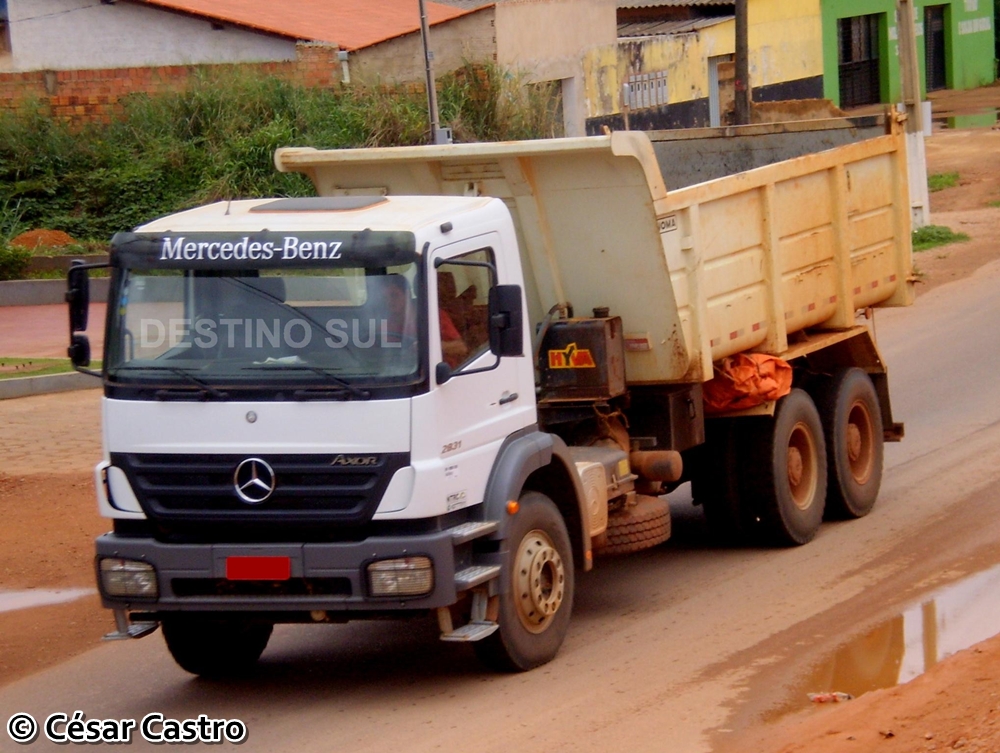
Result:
pixel 732 264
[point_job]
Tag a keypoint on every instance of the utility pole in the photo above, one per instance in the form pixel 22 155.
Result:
pixel 909 66
pixel 742 84
pixel 438 135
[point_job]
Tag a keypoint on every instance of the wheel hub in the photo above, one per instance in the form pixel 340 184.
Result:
pixel 794 466
pixel 853 442
pixel 539 581
pixel 802 466
pixel 860 437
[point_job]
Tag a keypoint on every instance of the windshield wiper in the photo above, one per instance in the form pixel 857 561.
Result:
pixel 313 392
pixel 242 283
pixel 204 388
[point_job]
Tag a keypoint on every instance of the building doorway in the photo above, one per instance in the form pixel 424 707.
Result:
pixel 721 74
pixel 860 75
pixel 934 47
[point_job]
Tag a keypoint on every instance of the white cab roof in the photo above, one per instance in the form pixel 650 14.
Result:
pixel 407 213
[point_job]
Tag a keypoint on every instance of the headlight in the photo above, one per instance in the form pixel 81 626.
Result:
pixel 406 576
pixel 128 578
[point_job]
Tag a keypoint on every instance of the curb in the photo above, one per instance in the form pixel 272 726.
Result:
pixel 44 292
pixel 43 385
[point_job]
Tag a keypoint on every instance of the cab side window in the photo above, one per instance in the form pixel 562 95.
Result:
pixel 463 295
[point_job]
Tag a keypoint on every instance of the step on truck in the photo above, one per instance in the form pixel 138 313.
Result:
pixel 460 374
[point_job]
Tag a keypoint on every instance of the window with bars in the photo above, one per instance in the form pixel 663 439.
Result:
pixel 858 57
pixel 643 90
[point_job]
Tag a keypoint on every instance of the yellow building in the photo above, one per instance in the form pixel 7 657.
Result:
pixel 672 65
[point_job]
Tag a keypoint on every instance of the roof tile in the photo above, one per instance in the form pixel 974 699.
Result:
pixel 350 24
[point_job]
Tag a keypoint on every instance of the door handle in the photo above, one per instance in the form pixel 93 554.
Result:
pixel 508 397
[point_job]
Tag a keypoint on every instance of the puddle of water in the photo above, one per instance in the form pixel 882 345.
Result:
pixel 40 597
pixel 899 649
pixel 984 119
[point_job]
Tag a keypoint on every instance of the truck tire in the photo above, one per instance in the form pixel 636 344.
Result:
pixel 852 425
pixel 785 476
pixel 537 591
pixel 715 484
pixel 641 526
pixel 213 647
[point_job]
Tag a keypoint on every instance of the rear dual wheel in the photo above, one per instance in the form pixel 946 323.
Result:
pixel 852 426
pixel 715 483
pixel 785 472
pixel 775 478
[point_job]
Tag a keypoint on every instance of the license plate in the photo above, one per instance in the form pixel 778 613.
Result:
pixel 258 568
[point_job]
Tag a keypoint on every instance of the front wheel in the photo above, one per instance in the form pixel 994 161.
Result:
pixel 537 590
pixel 215 647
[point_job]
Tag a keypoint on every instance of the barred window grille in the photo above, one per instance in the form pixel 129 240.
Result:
pixel 644 90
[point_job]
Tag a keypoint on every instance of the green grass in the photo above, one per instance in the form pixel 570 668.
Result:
pixel 59 274
pixel 931 236
pixel 993 203
pixel 15 368
pixel 941 181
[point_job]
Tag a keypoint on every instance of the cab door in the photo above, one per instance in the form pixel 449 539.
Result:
pixel 460 424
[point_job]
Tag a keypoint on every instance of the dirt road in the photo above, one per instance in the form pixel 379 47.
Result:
pixel 686 647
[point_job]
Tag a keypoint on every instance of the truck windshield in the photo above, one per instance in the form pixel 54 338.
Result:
pixel 341 326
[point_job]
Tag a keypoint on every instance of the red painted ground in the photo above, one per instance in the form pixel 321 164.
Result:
pixel 43 331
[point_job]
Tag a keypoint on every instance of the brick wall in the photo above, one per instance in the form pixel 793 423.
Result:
pixel 88 95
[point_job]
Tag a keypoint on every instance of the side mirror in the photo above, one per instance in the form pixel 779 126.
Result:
pixel 79 350
pixel 78 297
pixel 506 321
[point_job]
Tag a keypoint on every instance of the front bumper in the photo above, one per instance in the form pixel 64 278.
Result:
pixel 324 576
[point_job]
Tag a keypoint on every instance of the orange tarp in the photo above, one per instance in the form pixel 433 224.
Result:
pixel 747 380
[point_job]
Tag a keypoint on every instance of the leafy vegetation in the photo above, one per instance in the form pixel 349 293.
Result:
pixel 941 181
pixel 85 248
pixel 13 261
pixel 930 236
pixel 216 139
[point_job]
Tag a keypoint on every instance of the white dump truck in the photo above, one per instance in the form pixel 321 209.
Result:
pixel 460 374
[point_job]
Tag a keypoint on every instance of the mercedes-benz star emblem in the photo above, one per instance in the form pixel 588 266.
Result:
pixel 254 481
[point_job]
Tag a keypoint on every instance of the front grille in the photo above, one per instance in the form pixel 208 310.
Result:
pixel 188 587
pixel 322 489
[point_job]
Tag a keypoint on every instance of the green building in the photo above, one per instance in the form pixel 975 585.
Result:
pixel 956 45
